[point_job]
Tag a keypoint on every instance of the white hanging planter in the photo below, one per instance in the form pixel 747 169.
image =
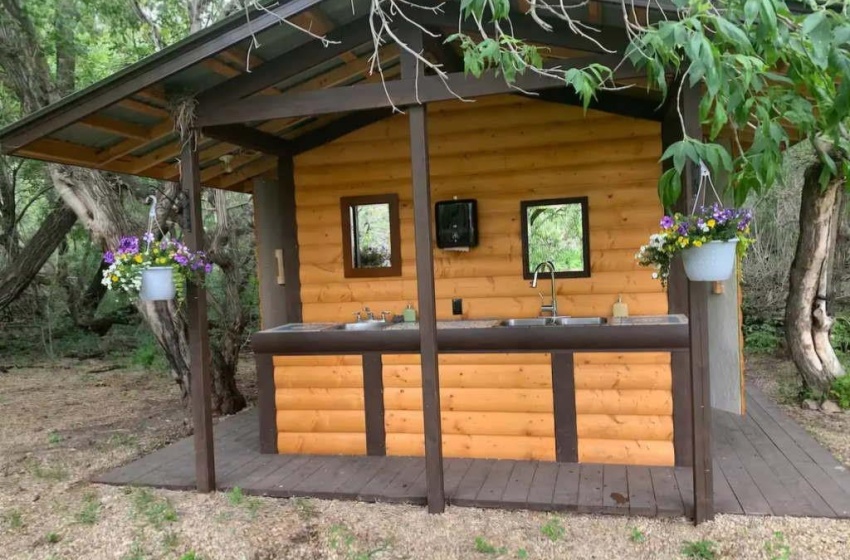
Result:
pixel 158 284
pixel 713 262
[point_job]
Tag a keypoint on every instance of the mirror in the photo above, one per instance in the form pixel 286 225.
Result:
pixel 556 230
pixel 370 236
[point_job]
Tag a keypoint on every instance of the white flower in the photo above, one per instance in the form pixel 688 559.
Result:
pixel 655 276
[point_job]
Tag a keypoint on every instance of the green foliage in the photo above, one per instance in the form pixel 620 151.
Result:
pixel 54 438
pixel 840 334
pixel 703 550
pixel 237 498
pixel 155 511
pixel 52 537
pixel 521 554
pixel 636 535
pixel 136 552
pixel 777 548
pixel 553 529
pixel 840 391
pixel 13 519
pixel 762 337
pixel 149 354
pixel 345 543
pixel 45 471
pixel 483 546
pixel 305 508
pixel 90 511
pixel 191 555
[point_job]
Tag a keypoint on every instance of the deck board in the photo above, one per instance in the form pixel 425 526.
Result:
pixel 764 464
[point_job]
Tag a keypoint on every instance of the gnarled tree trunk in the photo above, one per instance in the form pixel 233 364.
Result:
pixel 807 322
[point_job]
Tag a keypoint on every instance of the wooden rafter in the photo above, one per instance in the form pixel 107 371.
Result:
pixel 115 126
pixel 143 108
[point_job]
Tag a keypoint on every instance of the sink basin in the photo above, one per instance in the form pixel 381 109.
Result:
pixel 532 322
pixel 363 326
pixel 580 321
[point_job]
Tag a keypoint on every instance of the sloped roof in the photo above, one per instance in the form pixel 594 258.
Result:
pixel 123 123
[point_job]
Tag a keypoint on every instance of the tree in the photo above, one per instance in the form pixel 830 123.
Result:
pixel 40 44
pixel 769 77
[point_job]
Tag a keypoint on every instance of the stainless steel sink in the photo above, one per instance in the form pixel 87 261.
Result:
pixel 532 322
pixel 363 326
pixel 580 321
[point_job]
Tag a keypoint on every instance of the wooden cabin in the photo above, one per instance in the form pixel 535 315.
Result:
pixel 448 195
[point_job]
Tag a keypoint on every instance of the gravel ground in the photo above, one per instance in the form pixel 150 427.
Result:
pixel 62 423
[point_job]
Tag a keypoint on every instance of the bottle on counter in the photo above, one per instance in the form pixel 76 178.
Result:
pixel 409 314
pixel 620 309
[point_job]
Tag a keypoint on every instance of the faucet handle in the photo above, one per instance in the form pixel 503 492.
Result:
pixel 357 316
pixel 385 315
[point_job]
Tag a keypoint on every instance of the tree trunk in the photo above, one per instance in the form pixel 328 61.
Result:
pixel 807 322
pixel 20 272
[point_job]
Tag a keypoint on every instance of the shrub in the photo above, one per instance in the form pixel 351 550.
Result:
pixel 762 337
pixel 840 391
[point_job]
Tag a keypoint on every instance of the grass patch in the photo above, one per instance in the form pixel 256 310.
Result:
pixel 482 546
pixel 191 555
pixel 136 552
pixel 123 440
pixel 52 538
pixel 155 511
pixel 345 543
pixel 45 471
pixel 553 529
pixel 305 508
pixel 702 550
pixel 777 548
pixel 13 519
pixel 170 540
pixel 90 511
pixel 762 338
pixel 54 438
pixel 237 498
pixel 636 535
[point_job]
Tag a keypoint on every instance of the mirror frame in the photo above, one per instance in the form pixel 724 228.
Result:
pixel 585 234
pixel 345 204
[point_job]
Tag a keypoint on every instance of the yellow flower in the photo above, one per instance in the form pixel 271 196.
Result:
pixel 138 258
pixel 697 243
pixel 711 222
pixel 683 241
pixel 156 251
pixel 115 279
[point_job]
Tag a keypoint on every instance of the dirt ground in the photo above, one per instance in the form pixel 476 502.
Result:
pixel 60 423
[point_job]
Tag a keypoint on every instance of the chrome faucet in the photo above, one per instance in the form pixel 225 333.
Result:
pixel 553 306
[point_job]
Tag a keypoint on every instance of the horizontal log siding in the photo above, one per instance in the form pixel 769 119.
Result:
pixel 499 151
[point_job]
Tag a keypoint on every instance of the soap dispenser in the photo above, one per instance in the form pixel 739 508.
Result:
pixel 620 309
pixel 409 314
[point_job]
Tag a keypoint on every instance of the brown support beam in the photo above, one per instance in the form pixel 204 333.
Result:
pixel 250 138
pixel 564 407
pixel 421 180
pixel 607 102
pixel 406 91
pixel 291 260
pixel 677 302
pixel 373 404
pixel 199 339
pixel 265 403
pixel 338 129
pixel 700 382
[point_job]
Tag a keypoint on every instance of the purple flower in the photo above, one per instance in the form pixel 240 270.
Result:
pixel 129 245
pixel 667 222
pixel 148 237
pixel 182 260
pixel 208 268
pixel 109 257
pixel 683 229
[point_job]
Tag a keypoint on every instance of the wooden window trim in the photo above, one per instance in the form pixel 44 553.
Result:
pixel 585 234
pixel 345 204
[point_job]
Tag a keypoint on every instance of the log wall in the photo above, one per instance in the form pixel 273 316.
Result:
pixel 500 151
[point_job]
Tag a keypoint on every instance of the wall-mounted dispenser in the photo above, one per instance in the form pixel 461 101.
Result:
pixel 457 224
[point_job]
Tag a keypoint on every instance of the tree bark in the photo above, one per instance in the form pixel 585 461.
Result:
pixel 807 321
pixel 20 272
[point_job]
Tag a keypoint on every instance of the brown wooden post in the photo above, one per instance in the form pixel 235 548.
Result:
pixel 700 379
pixel 677 302
pixel 199 339
pixel 291 260
pixel 420 178
pixel 564 407
pixel 373 404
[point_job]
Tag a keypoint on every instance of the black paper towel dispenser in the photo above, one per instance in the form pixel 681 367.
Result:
pixel 457 223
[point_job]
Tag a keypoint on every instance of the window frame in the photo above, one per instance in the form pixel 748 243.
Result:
pixel 346 203
pixel 585 234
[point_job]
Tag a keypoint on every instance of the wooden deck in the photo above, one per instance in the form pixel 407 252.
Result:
pixel 765 464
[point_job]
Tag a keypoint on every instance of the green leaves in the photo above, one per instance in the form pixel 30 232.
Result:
pixel 669 188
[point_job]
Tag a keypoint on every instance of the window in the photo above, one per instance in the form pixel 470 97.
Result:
pixel 556 230
pixel 371 240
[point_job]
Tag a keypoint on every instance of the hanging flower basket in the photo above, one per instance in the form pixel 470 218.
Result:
pixel 153 270
pixel 158 284
pixel 712 262
pixel 709 240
